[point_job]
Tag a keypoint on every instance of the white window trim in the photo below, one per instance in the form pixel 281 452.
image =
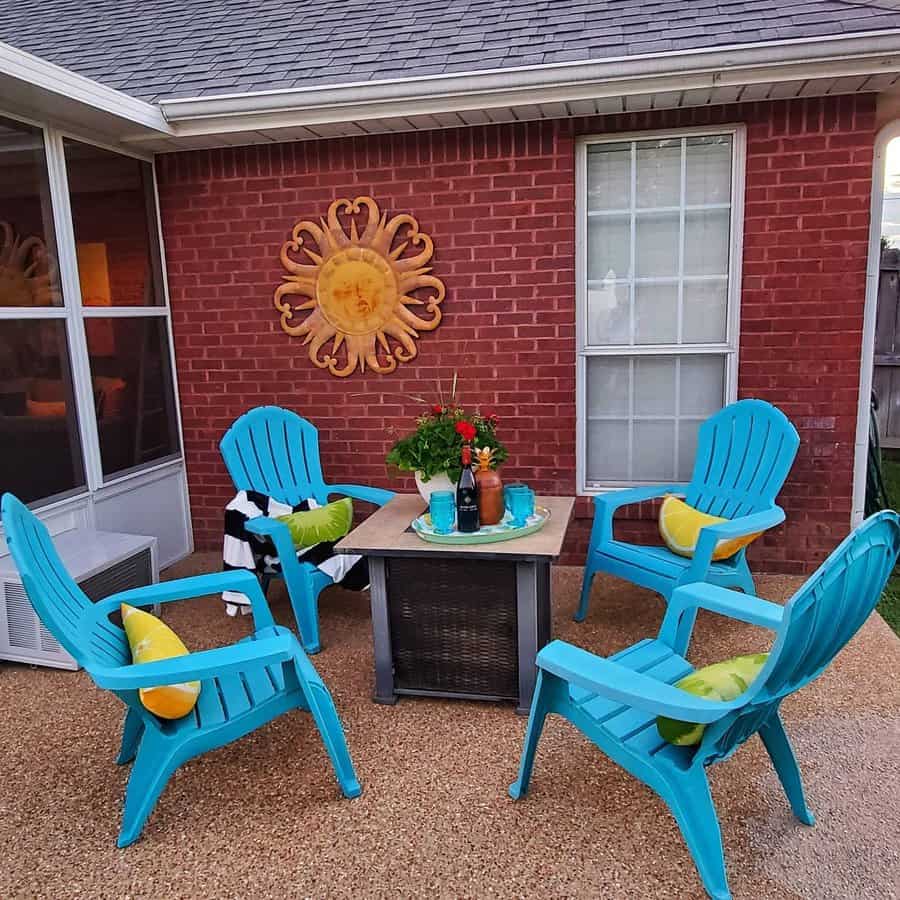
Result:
pixel 74 312
pixel 729 348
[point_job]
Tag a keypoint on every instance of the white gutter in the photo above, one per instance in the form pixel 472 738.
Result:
pixel 810 58
pixel 42 77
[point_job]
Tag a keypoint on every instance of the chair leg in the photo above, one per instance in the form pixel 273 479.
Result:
pixel 782 754
pixel 132 730
pixel 321 706
pixel 691 803
pixel 536 718
pixel 305 603
pixel 586 584
pixel 153 767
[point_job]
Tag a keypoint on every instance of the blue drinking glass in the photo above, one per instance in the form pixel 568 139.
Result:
pixel 443 511
pixel 521 506
pixel 509 490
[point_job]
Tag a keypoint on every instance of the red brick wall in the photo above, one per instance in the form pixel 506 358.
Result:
pixel 498 202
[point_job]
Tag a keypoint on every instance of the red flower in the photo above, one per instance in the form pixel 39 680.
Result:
pixel 491 417
pixel 437 409
pixel 466 430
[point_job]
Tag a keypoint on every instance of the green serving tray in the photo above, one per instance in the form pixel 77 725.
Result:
pixel 489 534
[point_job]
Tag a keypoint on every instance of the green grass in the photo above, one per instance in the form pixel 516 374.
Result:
pixel 889 605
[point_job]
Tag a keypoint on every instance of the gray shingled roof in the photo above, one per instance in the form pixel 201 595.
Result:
pixel 156 49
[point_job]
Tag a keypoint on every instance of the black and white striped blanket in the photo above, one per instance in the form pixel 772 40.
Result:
pixel 244 550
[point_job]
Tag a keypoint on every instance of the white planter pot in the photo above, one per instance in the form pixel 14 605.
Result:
pixel 439 482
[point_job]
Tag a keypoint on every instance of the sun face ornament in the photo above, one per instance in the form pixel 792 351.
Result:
pixel 358 287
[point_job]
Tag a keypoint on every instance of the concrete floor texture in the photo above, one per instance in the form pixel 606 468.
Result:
pixel 264 817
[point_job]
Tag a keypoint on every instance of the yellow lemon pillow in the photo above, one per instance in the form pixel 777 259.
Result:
pixel 680 525
pixel 721 681
pixel 150 640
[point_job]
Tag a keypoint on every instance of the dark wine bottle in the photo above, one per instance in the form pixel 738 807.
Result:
pixel 467 495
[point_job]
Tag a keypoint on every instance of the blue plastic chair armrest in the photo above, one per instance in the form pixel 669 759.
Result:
pixel 733 528
pixel 196 586
pixel 281 538
pixel 616 682
pixel 378 496
pixel 196 666
pixel 605 505
pixel 725 602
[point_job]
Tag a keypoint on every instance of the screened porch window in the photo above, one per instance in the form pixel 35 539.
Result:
pixel 87 388
pixel 658 272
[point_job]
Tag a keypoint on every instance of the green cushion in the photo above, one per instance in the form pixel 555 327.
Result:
pixel 326 523
pixel 721 681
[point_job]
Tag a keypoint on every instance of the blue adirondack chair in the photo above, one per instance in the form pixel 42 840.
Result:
pixel 275 452
pixel 744 453
pixel 614 702
pixel 243 686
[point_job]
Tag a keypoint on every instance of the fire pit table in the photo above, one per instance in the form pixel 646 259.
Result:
pixel 451 620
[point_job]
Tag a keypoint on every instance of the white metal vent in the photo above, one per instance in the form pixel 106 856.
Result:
pixel 21 622
pixel 102 563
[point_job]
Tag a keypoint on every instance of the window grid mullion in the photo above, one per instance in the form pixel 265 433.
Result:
pixel 77 338
pixel 632 240
pixel 630 419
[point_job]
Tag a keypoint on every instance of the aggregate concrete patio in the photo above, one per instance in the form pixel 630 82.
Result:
pixel 264 818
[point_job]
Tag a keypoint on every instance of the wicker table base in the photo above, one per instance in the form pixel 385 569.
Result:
pixel 460 621
pixel 458 628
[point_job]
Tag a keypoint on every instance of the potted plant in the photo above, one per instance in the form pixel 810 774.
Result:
pixel 432 451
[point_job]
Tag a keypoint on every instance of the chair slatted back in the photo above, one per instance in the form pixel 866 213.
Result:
pixel 65 610
pixel 275 452
pixel 819 620
pixel 744 454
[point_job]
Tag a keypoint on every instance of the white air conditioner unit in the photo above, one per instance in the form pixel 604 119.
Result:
pixel 102 562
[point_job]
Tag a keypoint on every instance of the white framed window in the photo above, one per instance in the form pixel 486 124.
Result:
pixel 87 382
pixel 659 219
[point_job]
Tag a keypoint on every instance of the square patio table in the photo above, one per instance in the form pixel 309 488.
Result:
pixel 452 620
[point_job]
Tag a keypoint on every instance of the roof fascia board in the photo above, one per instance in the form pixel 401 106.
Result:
pixel 783 61
pixel 62 82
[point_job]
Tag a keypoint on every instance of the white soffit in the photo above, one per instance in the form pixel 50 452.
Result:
pixel 774 70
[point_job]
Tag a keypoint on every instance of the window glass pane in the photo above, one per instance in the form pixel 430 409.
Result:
pixel 688 430
pixel 705 306
pixel 654 385
pixel 658 173
pixel 28 272
pixel 707 234
pixel 656 313
pixel 654 457
pixel 114 218
pixel 607 386
pixel 131 375
pixel 708 170
pixel 607 458
pixel 609 176
pixel 609 247
pixel 702 385
pixel 40 450
pixel 609 315
pixel 656 245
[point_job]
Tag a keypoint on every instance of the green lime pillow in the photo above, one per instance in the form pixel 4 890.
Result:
pixel 721 681
pixel 325 523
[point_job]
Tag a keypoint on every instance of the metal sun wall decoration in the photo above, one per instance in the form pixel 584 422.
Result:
pixel 28 275
pixel 359 287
